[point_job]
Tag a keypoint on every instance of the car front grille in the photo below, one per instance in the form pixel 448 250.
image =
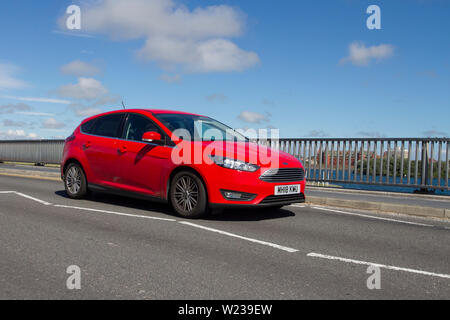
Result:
pixel 283 175
pixel 290 198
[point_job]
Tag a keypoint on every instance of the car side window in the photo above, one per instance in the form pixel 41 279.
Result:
pixel 108 126
pixel 137 125
pixel 88 126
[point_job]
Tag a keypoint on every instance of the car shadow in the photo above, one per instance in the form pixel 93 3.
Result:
pixel 221 215
pixel 250 214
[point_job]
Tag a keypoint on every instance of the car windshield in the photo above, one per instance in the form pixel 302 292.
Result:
pixel 198 128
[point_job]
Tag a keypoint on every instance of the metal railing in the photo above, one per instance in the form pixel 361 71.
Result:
pixel 33 151
pixel 402 162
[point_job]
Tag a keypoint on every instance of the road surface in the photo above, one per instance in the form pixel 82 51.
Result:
pixel 133 249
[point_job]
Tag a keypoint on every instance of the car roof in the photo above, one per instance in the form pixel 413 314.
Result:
pixel 152 111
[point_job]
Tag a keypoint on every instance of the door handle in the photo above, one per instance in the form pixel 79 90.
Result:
pixel 122 149
pixel 87 145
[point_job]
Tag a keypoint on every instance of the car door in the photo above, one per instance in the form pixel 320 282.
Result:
pixel 100 148
pixel 142 165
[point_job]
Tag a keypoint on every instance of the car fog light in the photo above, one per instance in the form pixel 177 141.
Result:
pixel 237 196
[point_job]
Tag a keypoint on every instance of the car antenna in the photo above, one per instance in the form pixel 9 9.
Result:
pixel 123 105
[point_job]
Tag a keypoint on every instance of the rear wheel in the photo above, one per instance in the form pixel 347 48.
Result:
pixel 75 181
pixel 188 195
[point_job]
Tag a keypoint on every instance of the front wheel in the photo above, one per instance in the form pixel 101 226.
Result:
pixel 188 195
pixel 75 181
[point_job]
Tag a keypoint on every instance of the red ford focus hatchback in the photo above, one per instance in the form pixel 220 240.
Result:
pixel 193 162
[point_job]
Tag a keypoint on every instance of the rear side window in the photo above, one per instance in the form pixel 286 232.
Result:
pixel 107 126
pixel 87 127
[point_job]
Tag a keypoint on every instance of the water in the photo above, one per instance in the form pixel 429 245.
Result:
pixel 398 180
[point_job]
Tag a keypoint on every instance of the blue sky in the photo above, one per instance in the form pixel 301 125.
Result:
pixel 251 64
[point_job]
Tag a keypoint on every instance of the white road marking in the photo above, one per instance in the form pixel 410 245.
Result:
pixel 288 249
pixel 34 199
pixel 115 213
pixel 371 217
pixel 426 273
pixel 273 245
pixel 152 218
pixel 26 196
pixel 298 205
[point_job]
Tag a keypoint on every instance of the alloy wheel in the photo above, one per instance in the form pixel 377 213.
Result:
pixel 186 193
pixel 73 179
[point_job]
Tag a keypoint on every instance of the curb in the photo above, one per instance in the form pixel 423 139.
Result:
pixel 52 176
pixel 383 193
pixel 30 176
pixel 381 207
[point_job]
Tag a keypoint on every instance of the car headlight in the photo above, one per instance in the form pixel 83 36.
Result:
pixel 234 164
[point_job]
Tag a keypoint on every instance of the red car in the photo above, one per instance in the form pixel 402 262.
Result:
pixel 193 162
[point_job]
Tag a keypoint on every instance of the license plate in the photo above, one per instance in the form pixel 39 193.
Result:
pixel 290 189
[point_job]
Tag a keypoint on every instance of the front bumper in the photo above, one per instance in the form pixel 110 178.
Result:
pixel 270 201
pixel 260 193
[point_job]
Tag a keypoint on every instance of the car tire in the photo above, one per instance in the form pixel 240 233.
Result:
pixel 188 195
pixel 75 181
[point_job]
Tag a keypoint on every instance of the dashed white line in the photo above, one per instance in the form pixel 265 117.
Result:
pixel 372 217
pixel 273 245
pixel 298 205
pixel 426 273
pixel 115 213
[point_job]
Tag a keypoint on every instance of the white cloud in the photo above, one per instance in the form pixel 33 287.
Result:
pixel 435 133
pixel 17 134
pixel 73 33
pixel 268 102
pixel 84 89
pixel 8 79
pixel 80 68
pixel 253 117
pixel 14 108
pixel 81 110
pixel 170 79
pixel 317 134
pixel 217 97
pixel 12 123
pixel 37 114
pixel 360 55
pixel 370 134
pixel 107 99
pixel 215 55
pixel 195 40
pixel 33 99
pixel 52 123
pixel 88 112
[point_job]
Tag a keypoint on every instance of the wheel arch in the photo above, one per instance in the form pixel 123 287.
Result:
pixel 189 169
pixel 70 161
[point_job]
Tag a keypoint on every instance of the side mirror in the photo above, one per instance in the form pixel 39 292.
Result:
pixel 151 137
